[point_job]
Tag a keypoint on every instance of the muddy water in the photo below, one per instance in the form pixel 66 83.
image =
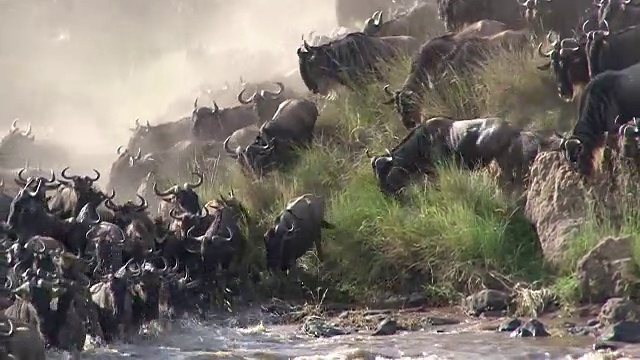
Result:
pixel 247 338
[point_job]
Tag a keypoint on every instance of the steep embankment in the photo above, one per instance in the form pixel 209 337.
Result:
pixel 453 236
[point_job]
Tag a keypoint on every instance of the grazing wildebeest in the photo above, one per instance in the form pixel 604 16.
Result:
pixel 433 58
pixel 149 138
pixel 569 63
pixel 608 96
pixel 216 124
pixel 561 17
pixel 456 14
pixel 471 143
pixel 297 228
pixel 292 125
pixel 347 61
pixel 618 14
pixel 182 198
pixel 128 171
pixel 419 22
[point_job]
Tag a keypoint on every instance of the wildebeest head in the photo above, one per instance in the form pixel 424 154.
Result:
pixel 27 206
pixel 568 61
pixel 206 121
pixel 142 137
pixel 47 184
pixel 84 190
pixel 617 13
pixel 183 196
pixel 256 156
pixel 264 102
pixel 187 220
pixel 391 176
pixel 407 104
pixel 373 25
pixel 15 141
pixel 574 153
pixel 317 68
pixel 596 40
pixel 107 240
pixel 208 244
pixel 533 8
pixel 126 212
pixel 128 171
pixel 277 239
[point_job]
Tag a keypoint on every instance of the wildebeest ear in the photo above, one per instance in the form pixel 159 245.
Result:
pixel 544 67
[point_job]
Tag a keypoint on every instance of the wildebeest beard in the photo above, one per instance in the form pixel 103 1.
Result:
pixel 596 116
pixel 411 156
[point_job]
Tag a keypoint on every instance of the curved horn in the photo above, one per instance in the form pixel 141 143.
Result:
pixel 241 95
pixel 195 104
pixel 226 239
pixel 138 155
pixel 191 186
pixel 366 152
pixel 37 190
pixel 95 178
pixel 28 131
pixel 143 202
pixel 174 214
pixel 206 212
pixel 543 54
pixel 52 178
pixel 14 126
pixel 111 196
pixel 111 205
pixel 9 331
pixel 215 107
pixel 231 153
pixel 386 151
pixel 170 191
pixel 606 25
pixel 626 2
pixel 584 26
pixel 137 122
pixel 388 91
pixel 20 180
pixel 8 284
pixel 119 150
pixel 64 174
pixel 275 95
pixel 306 45
pixel 166 265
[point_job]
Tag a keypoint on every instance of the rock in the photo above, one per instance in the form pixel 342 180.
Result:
pixel 486 300
pixel 624 331
pixel 510 325
pixel 319 327
pixel 607 270
pixel 618 309
pixel 388 326
pixel 438 321
pixel 555 203
pixel 531 328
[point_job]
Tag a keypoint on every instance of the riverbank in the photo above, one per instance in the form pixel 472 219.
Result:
pixel 446 239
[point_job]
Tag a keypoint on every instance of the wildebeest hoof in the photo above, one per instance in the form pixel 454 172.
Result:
pixel 388 326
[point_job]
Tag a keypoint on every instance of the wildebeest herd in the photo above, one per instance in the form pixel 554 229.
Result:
pixel 80 262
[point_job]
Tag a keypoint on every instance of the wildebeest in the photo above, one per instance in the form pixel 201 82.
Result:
pixel 612 51
pixel 349 11
pixel 569 64
pixel 264 102
pixel 419 22
pixel 429 64
pixel 128 171
pixel 149 138
pixel 19 147
pixel 183 198
pixel 20 340
pixel 470 143
pixel 75 193
pixel 346 61
pixel 217 123
pixel 618 14
pixel 456 14
pixel 296 229
pixel 243 137
pixel 608 96
pixel 292 125
pixel 560 16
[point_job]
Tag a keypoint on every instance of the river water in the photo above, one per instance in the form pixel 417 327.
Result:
pixel 234 338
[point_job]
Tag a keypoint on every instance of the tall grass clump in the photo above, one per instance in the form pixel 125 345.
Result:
pixel 452 234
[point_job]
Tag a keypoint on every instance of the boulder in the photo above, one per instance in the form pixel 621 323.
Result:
pixel 555 203
pixel 607 270
pixel 618 309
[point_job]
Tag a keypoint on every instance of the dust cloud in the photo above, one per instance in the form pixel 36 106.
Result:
pixel 81 71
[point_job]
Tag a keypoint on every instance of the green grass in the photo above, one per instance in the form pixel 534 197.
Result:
pixel 453 236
